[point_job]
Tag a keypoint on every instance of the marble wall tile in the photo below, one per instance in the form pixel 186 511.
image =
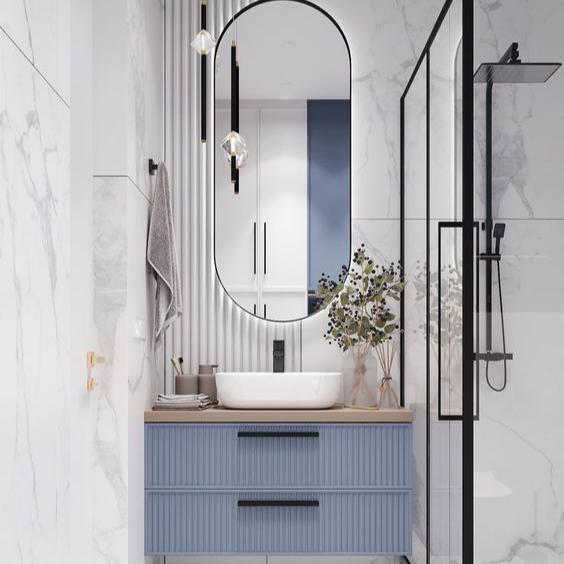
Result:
pixel 528 196
pixel 385 39
pixel 142 371
pixel 129 50
pixel 41 29
pixel 145 88
pixel 111 108
pixel 128 381
pixel 35 419
pixel 128 100
pixel 110 404
pixel 528 119
pixel 525 417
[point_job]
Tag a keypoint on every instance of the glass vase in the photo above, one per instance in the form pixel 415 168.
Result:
pixel 360 384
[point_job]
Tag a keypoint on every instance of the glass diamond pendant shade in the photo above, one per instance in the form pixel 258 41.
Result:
pixel 234 145
pixel 242 159
pixel 203 42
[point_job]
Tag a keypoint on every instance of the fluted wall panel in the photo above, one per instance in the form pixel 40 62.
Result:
pixel 343 455
pixel 207 522
pixel 214 328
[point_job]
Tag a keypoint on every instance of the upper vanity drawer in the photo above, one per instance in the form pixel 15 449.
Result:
pixel 278 455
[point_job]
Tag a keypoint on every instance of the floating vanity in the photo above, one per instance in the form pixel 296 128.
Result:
pixel 336 481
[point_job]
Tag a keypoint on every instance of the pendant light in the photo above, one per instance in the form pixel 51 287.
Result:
pixel 203 44
pixel 234 144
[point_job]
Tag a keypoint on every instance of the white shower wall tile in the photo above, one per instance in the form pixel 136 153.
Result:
pixel 145 89
pixel 142 374
pixel 529 197
pixel 110 318
pixel 111 108
pixel 41 29
pixel 35 420
pixel 129 379
pixel 128 117
pixel 385 40
pixel 528 119
pixel 128 100
pixel 415 140
pixel 524 418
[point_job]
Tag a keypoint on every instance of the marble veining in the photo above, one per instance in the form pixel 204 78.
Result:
pixel 528 131
pixel 144 47
pixel 122 305
pixel 35 323
pixel 41 30
pixel 123 300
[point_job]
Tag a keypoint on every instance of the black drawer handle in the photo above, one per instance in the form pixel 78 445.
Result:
pixel 278 434
pixel 278 503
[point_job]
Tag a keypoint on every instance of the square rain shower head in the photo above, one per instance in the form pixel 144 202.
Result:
pixel 512 73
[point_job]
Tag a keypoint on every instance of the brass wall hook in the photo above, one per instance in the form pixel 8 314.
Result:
pixel 92 359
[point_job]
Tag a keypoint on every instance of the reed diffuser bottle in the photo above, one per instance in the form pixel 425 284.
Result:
pixel 387 398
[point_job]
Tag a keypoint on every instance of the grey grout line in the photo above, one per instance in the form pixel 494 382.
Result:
pixel 128 178
pixel 140 191
pixel 9 37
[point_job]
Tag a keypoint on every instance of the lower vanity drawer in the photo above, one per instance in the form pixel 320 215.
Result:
pixel 347 522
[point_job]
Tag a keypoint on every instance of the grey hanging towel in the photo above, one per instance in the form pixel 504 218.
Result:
pixel 161 256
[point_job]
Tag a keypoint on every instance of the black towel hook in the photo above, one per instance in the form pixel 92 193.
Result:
pixel 153 166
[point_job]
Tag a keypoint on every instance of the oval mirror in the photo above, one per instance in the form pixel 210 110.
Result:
pixel 282 157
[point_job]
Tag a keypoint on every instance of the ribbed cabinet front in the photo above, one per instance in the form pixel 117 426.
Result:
pixel 278 489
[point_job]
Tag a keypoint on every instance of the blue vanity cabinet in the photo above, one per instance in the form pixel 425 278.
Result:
pixel 278 488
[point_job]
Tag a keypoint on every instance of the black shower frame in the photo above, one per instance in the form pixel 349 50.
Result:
pixel 468 258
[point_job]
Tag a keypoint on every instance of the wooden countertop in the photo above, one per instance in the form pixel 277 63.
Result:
pixel 334 415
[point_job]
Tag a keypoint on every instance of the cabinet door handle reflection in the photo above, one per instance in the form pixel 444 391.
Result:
pixel 255 248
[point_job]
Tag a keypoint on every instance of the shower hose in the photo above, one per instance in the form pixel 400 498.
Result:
pixel 488 381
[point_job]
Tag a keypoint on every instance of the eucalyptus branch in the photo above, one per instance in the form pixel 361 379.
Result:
pixel 359 314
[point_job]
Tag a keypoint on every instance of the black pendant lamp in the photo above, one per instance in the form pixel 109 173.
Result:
pixel 234 144
pixel 203 43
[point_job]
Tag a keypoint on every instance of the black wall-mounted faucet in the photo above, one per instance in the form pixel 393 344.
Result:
pixel 278 356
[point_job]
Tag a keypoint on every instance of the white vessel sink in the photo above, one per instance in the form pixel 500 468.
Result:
pixel 278 390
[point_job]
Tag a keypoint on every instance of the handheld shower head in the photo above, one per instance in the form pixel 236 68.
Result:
pixel 498 233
